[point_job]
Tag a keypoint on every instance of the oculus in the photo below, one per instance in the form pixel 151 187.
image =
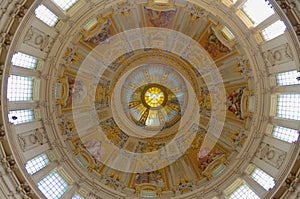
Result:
pixel 154 97
pixel 154 105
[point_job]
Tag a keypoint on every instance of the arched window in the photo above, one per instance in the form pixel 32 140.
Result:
pixel 46 15
pixel 36 164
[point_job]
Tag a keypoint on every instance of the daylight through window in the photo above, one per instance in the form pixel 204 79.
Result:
pixel 288 78
pixel 46 15
pixel 262 178
pixel 53 186
pixel 65 4
pixel 36 164
pixel 285 134
pixel 257 10
pixel 273 30
pixel 20 116
pixel 289 106
pixel 24 60
pixel 19 88
pixel 243 192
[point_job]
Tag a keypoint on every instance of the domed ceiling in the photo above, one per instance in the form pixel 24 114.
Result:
pixel 153 98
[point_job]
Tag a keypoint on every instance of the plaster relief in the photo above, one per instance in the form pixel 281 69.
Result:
pixel 38 39
pixel 278 55
pixel 271 155
pixel 32 139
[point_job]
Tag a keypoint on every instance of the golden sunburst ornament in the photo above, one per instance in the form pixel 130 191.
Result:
pixel 154 97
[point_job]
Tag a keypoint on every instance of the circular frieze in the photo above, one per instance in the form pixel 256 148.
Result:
pixel 159 85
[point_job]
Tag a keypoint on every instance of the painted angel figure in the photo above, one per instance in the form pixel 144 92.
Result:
pixel 94 147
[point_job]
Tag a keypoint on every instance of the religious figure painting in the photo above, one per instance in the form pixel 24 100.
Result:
pixel 76 91
pixel 234 102
pixel 153 177
pixel 214 46
pixel 95 149
pixel 160 18
pixel 114 133
pixel 207 157
pixel 102 95
pixel 100 37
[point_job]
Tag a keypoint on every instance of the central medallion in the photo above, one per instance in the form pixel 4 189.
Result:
pixel 154 96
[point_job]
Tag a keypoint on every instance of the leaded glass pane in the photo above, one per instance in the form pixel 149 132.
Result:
pixel 24 60
pixel 285 134
pixel 289 106
pixel 36 164
pixel 288 78
pixel 19 88
pixel 20 116
pixel 262 178
pixel 46 15
pixel 53 186
pixel 243 192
